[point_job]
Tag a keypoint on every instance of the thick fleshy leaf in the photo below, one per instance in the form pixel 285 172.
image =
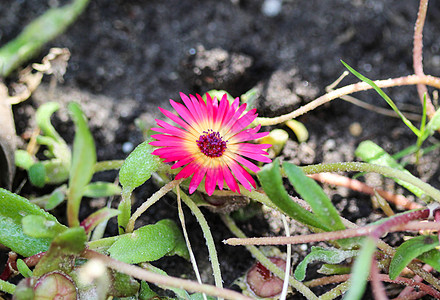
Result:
pixel 63 249
pixel 50 137
pixel 147 243
pixel 369 152
pixel 83 162
pixel 138 166
pixel 102 215
pixel 272 182
pixel 331 256
pixel 23 268
pixel 122 285
pixel 101 189
pixel 431 258
pixel 23 159
pixel 14 208
pixel 37 174
pixel 409 250
pixel 361 270
pixel 137 169
pixel 311 192
pixel 146 293
pixel 39 227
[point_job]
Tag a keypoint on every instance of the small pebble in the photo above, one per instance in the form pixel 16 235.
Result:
pixel 127 147
pixel 271 8
pixel 355 129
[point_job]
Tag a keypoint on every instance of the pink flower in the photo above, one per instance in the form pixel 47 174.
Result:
pixel 209 142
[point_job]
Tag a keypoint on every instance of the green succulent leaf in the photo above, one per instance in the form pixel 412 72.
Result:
pixel 14 209
pixel 272 182
pixel 311 192
pixel 370 152
pixel 37 174
pixel 101 189
pixel 432 258
pixel 147 243
pixel 23 268
pixel 138 166
pixel 361 270
pixel 83 162
pixel 63 248
pixel 409 250
pixel 23 159
pixel 330 256
pixel 38 226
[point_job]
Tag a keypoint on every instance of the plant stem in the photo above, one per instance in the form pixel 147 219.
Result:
pixel 185 235
pixel 418 55
pixel 150 201
pixel 108 165
pixel 305 291
pixel 208 237
pixel 7 287
pixel 329 236
pixel 349 89
pixel 383 170
pixel 158 279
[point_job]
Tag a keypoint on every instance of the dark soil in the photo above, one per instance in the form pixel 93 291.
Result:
pixel 129 57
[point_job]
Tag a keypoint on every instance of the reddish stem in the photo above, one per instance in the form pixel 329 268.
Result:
pixel 418 55
pixel 359 186
pixel 399 220
pixel 377 287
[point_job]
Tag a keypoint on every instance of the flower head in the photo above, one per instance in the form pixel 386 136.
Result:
pixel 209 142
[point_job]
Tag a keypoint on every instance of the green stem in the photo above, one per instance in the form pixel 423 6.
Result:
pixel 102 244
pixel 383 170
pixel 108 165
pixel 33 37
pixel 150 201
pixel 208 237
pixel 125 208
pixel 305 291
pixel 7 287
pixel 337 291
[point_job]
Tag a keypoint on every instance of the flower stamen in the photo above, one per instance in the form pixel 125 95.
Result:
pixel 211 143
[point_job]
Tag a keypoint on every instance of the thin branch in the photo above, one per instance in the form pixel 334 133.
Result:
pixel 418 56
pixel 349 89
pixel 158 279
pixel 329 236
pixel 150 201
pixel 359 186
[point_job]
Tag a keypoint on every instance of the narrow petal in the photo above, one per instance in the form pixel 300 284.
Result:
pixel 230 180
pixel 185 114
pixel 183 161
pixel 210 181
pixel 245 162
pixel 257 157
pixel 242 176
pixel 196 179
pixel 175 118
pixel 243 122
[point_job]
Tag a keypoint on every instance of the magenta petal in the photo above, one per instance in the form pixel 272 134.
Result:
pixel 188 170
pixel 210 181
pixel 247 163
pixel 175 118
pixel 183 161
pixel 230 180
pixel 196 179
pixel 185 113
pixel 239 173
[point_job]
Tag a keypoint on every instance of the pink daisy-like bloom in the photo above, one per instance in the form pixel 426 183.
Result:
pixel 209 142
